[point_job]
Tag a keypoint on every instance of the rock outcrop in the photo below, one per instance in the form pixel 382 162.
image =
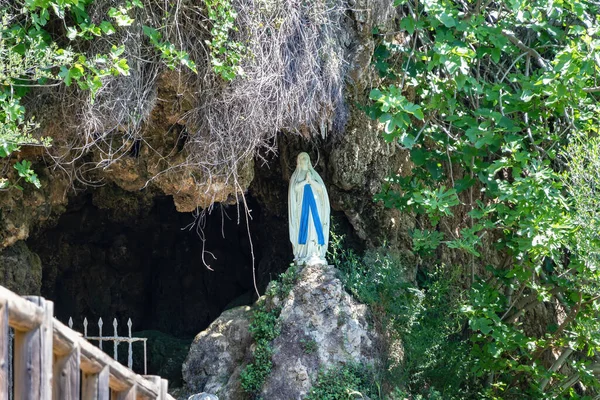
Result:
pixel 21 270
pixel 155 159
pixel 218 354
pixel 321 326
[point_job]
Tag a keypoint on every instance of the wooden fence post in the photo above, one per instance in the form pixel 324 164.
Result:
pixel 95 386
pixel 66 375
pixel 33 357
pixel 164 389
pixel 48 359
pixel 159 382
pixel 4 358
pixel 127 394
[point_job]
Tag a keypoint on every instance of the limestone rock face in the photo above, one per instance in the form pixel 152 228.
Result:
pixel 203 396
pixel 215 358
pixel 23 210
pixel 21 270
pixel 321 326
pixel 156 158
pixel 161 163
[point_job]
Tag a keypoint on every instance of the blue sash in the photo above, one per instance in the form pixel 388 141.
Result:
pixel 309 205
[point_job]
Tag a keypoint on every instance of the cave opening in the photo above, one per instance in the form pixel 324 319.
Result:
pixel 114 253
pixel 154 265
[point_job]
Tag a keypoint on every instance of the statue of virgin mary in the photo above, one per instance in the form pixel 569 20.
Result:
pixel 308 210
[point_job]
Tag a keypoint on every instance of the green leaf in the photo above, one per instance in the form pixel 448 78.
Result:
pixel 152 33
pixel 447 19
pixel 24 170
pixel 418 156
pixel 122 67
pixel 375 94
pixel 496 53
pixel 463 184
pixel 120 16
pixel 107 28
pixel 481 324
pixel 7 148
pixel 71 33
pixel 408 24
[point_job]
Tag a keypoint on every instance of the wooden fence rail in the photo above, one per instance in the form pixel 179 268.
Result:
pixel 53 362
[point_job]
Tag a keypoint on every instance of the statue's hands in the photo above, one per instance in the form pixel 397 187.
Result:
pixel 308 177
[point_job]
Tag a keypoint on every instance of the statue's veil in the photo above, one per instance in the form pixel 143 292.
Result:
pixel 295 200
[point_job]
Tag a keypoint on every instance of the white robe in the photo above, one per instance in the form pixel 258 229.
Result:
pixel 312 251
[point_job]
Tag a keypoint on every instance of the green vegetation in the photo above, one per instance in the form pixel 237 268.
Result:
pixel 309 346
pixel 426 352
pixel 343 383
pixel 264 329
pixel 225 54
pixel 38 48
pixel 497 105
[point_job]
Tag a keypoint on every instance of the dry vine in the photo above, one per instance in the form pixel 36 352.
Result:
pixel 293 79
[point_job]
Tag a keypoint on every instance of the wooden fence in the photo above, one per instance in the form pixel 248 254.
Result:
pixel 53 362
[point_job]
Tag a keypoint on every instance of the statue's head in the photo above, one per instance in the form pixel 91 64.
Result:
pixel 303 161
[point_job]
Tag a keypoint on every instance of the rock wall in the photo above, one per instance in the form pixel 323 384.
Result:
pixel 321 326
pixel 353 157
pixel 21 270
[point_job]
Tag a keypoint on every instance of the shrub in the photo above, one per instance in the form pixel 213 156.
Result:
pixel 264 329
pixel 485 102
pixel 342 383
pixel 426 351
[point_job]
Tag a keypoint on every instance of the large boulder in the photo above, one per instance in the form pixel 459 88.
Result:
pixel 321 326
pixel 214 362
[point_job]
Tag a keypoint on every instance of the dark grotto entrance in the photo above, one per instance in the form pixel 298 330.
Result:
pixel 153 267
pixel 116 254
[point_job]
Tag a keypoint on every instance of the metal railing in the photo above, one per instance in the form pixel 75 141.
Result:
pixel 116 339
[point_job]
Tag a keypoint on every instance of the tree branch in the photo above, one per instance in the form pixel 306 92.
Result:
pixel 556 366
pixel 532 52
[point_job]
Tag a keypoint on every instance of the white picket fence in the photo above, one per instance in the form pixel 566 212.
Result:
pixel 116 339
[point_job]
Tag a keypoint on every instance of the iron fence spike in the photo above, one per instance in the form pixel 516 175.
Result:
pixel 116 343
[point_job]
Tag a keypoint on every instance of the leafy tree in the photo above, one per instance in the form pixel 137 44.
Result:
pixel 36 38
pixel 486 97
pixel 31 56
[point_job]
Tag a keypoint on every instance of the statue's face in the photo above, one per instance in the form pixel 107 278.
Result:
pixel 303 161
